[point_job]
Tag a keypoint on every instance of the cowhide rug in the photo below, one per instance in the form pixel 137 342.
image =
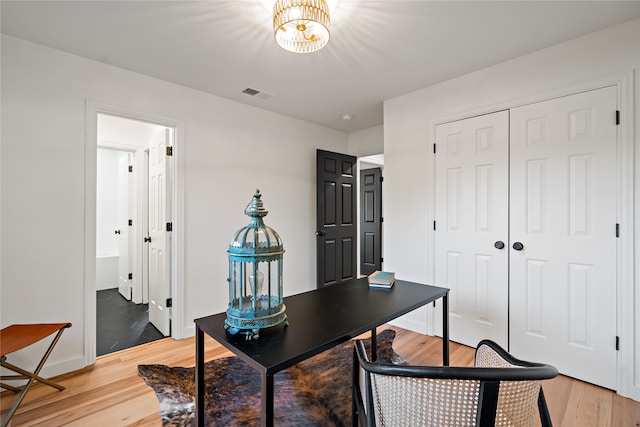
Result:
pixel 315 392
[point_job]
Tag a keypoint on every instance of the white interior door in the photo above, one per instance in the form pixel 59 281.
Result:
pixel 160 245
pixel 471 220
pixel 563 212
pixel 124 256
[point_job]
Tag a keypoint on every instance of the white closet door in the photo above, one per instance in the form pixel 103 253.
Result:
pixel 563 212
pixel 472 173
pixel 160 245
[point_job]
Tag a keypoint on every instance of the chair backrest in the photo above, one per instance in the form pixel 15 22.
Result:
pixel 500 390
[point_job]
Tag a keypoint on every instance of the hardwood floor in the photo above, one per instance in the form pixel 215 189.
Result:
pixel 110 393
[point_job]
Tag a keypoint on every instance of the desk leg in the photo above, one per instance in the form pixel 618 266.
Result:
pixel 267 399
pixel 199 377
pixel 445 330
pixel 374 345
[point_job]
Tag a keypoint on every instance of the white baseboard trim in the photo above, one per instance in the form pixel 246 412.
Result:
pixel 411 323
pixel 189 331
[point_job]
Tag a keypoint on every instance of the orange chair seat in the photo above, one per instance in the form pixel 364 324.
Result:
pixel 17 337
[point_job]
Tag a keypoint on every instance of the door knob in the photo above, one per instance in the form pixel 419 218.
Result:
pixel 518 246
pixel 117 231
pixel 499 244
pixel 320 233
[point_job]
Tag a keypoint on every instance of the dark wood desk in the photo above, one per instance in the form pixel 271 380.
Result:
pixel 319 320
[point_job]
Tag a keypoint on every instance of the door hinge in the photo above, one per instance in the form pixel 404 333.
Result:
pixel 381 259
pixel 130 276
pixel 130 168
pixel 169 303
pixel 169 226
pixel 381 178
pixel 617 230
pixel 434 148
pixel 169 151
pixel 617 117
pixel 617 343
pixel 130 222
pixel 381 219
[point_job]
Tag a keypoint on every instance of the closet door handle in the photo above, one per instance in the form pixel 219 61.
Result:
pixel 499 244
pixel 518 246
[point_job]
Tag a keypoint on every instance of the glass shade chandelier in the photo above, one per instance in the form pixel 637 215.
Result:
pixel 301 26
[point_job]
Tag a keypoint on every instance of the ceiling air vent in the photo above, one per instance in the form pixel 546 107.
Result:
pixel 257 93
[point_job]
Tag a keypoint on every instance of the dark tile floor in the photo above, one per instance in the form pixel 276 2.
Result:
pixel 121 324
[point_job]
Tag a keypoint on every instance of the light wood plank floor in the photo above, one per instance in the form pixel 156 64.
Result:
pixel 110 393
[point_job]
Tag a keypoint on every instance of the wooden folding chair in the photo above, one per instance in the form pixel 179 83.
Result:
pixel 17 337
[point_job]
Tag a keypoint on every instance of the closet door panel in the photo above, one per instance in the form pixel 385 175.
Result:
pixel 563 199
pixel 471 216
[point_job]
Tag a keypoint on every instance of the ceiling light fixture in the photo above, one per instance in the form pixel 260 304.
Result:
pixel 301 26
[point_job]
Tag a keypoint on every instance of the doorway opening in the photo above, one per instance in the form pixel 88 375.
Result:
pixel 370 230
pixel 153 235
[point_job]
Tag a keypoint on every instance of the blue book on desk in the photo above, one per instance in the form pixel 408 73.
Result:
pixel 381 279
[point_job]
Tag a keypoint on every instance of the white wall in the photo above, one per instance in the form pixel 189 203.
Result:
pixel 107 202
pixel 409 123
pixel 367 142
pixel 230 150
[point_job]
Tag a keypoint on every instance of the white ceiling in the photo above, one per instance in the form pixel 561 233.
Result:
pixel 378 49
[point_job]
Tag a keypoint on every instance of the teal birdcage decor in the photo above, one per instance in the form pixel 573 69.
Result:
pixel 255 275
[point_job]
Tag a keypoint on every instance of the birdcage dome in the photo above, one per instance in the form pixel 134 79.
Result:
pixel 256 237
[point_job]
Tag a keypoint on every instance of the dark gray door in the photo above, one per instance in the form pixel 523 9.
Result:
pixel 336 215
pixel 370 220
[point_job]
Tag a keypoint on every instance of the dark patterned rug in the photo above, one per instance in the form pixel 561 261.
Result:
pixel 315 392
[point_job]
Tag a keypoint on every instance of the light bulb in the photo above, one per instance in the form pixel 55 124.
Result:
pixel 257 287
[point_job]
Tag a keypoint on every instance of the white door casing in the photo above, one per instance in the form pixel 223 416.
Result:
pixel 123 231
pixel 471 218
pixel 160 245
pixel 93 109
pixel 563 211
